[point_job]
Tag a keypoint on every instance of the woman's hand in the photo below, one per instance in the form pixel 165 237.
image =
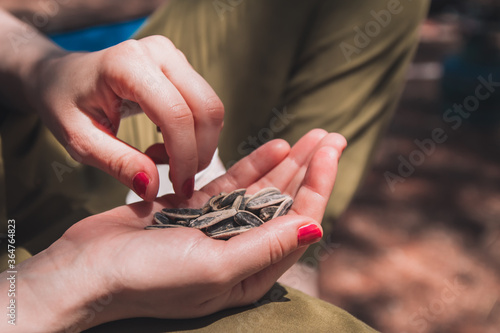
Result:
pixel 82 96
pixel 181 273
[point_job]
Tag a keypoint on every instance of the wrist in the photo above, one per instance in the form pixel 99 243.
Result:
pixel 23 52
pixel 33 73
pixel 58 291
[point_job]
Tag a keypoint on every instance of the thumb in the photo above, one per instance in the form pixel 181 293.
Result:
pixel 113 156
pixel 261 255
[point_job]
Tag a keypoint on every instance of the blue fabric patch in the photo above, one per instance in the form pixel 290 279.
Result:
pixel 98 37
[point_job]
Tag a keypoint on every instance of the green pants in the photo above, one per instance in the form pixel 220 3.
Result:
pixel 281 68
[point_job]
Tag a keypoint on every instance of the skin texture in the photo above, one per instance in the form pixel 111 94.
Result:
pixel 81 98
pixel 177 273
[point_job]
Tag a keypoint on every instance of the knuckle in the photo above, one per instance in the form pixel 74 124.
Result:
pixel 277 249
pixel 214 110
pixel 180 113
pixel 131 46
pixel 124 52
pixel 122 59
pixel 159 40
pixel 118 164
pixel 78 146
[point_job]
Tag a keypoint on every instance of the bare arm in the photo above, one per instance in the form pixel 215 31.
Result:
pixel 61 15
pixel 23 48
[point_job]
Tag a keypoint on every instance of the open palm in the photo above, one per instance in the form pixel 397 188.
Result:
pixel 180 272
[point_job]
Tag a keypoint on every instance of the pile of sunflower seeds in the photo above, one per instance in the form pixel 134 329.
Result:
pixel 227 214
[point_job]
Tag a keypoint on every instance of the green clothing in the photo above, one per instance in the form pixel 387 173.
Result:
pixel 281 68
pixel 280 310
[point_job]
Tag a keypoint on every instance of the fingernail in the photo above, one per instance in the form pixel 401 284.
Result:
pixel 308 234
pixel 188 187
pixel 140 182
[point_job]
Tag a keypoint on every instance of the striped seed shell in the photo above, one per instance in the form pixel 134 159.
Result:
pixel 207 220
pixel 230 233
pixel 214 202
pixel 267 213
pixel 264 201
pixel 181 213
pixel 230 197
pixel 244 217
pixel 264 192
pixel 222 226
pixel 283 208
pixel 163 226
pixel 161 218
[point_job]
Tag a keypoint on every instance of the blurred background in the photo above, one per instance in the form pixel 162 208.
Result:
pixel 422 253
pixel 419 248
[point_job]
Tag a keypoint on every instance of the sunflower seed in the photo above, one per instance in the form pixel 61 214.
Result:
pixel 264 201
pixel 231 232
pixel 227 214
pixel 229 198
pixel 267 213
pixel 222 226
pixel 283 208
pixel 244 217
pixel 163 226
pixel 212 218
pixel 265 192
pixel 161 218
pixel 181 213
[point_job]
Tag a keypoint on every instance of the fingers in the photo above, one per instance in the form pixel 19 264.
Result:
pixel 300 153
pixel 206 107
pixel 334 140
pixel 317 185
pixel 104 151
pixel 174 97
pixel 250 168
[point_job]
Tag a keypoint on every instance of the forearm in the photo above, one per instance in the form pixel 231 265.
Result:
pixel 23 49
pixel 62 15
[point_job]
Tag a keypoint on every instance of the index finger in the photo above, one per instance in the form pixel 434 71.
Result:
pixel 144 82
pixel 205 105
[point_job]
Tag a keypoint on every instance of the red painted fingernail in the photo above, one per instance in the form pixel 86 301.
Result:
pixel 308 234
pixel 188 188
pixel 140 182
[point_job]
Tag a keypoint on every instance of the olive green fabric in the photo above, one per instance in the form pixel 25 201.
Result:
pixel 282 309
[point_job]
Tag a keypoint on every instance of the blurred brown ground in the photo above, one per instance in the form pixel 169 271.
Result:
pixel 426 256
